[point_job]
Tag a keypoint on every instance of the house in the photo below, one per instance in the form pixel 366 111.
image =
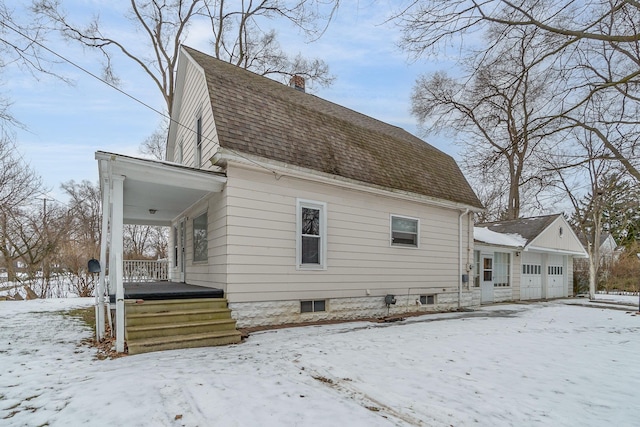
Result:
pixel 609 254
pixel 295 208
pixel 525 259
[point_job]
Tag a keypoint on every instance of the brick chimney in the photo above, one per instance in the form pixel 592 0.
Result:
pixel 297 82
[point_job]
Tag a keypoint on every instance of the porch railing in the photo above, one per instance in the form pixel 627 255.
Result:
pixel 145 270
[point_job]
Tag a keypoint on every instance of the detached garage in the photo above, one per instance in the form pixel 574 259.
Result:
pixel 534 258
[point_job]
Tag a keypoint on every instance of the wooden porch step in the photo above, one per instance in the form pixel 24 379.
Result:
pixel 185 328
pixel 184 341
pixel 179 323
pixel 178 316
pixel 160 306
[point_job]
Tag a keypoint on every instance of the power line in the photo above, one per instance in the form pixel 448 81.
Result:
pixel 17 31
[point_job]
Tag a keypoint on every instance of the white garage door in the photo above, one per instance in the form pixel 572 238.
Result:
pixel 531 279
pixel 556 277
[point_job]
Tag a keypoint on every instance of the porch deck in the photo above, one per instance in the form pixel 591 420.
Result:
pixel 165 290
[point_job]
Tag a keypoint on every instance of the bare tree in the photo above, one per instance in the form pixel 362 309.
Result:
pixel 597 54
pixel 19 184
pixel 587 166
pixel 83 236
pixel 503 113
pixel 236 36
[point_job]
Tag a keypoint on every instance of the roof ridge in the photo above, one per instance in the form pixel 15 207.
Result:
pixel 519 219
pixel 387 128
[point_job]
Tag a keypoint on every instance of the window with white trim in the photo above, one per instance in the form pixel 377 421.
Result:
pixel 199 142
pixel 200 244
pixel 311 231
pixel 476 268
pixel 501 269
pixel 404 231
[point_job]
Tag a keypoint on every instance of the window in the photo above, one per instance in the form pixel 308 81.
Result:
pixel 404 231
pixel 311 251
pixel 501 269
pixel 487 268
pixel 554 270
pixel 476 267
pixel 427 299
pixel 530 269
pixel 199 142
pixel 312 306
pixel 180 152
pixel 175 245
pixel 200 248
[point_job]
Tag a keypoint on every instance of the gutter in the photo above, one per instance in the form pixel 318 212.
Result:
pixel 279 169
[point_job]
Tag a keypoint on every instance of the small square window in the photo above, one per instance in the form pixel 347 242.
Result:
pixel 427 299
pixel 306 306
pixel 404 231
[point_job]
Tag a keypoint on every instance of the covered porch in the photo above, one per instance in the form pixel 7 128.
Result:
pixel 143 192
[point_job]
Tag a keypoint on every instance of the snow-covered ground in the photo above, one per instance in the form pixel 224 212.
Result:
pixel 546 364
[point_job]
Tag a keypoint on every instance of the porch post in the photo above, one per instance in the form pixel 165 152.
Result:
pixel 106 213
pixel 115 264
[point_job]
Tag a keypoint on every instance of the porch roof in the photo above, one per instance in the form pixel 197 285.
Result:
pixel 164 188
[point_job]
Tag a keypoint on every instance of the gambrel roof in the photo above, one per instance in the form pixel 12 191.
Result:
pixel 258 116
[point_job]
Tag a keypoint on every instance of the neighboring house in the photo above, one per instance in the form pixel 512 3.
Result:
pixel 298 209
pixel 609 254
pixel 525 259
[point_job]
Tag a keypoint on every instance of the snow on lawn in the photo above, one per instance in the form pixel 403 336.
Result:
pixel 535 364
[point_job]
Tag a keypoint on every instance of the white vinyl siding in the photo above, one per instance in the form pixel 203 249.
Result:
pixel 195 104
pixel 211 273
pixel 262 249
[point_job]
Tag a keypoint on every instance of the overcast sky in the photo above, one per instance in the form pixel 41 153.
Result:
pixel 66 124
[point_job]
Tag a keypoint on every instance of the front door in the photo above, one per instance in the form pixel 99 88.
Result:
pixel 486 279
pixel 182 250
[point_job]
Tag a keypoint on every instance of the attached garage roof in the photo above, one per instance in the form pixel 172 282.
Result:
pixel 526 228
pixel 540 233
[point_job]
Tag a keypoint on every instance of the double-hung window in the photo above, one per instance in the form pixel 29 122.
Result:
pixel 311 239
pixel 404 231
pixel 199 142
pixel 200 244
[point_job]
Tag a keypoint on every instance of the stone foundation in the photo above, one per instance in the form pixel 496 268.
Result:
pixel 268 313
pixel 502 294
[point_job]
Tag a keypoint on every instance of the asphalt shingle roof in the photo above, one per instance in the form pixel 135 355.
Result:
pixel 259 116
pixel 529 228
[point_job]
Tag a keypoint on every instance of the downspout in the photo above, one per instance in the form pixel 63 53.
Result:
pixel 465 212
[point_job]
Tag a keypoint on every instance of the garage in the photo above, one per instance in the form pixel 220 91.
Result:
pixel 556 276
pixel 531 280
pixel 542 250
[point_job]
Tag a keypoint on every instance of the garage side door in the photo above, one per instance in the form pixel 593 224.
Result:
pixel 556 277
pixel 531 278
